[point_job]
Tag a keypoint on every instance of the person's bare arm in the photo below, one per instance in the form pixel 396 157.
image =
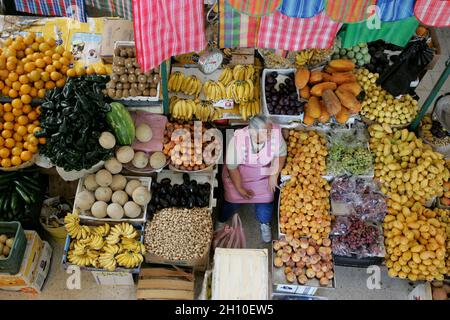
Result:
pixel 237 182
pixel 278 164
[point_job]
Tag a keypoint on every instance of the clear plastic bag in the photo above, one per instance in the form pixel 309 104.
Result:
pixel 354 237
pixel 361 197
pixel 348 152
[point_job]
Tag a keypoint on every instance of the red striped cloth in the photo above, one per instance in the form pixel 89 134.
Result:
pixel 348 11
pixel 435 13
pixel 295 34
pixel 165 28
pixel 256 8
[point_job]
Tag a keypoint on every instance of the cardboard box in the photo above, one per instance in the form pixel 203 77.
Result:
pixel 34 269
pixel 114 30
pixel 29 263
pixel 113 278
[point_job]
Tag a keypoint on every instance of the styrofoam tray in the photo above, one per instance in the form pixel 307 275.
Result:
pixel 139 98
pixel 200 177
pixel 279 119
pixel 85 215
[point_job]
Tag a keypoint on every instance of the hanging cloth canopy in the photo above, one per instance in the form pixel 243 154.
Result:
pixel 59 8
pixel 348 11
pixel 236 30
pixel 295 34
pixel 257 8
pixel 433 13
pixel 121 8
pixel 302 8
pixel 396 32
pixel 394 10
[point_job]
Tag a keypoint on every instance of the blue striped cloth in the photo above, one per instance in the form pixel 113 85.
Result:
pixel 393 10
pixel 60 8
pixel 302 8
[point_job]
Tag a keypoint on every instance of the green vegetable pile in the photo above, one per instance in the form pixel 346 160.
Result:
pixel 348 153
pixel 20 191
pixel 73 117
pixel 358 54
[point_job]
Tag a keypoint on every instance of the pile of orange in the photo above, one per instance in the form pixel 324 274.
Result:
pixel 30 65
pixel 18 123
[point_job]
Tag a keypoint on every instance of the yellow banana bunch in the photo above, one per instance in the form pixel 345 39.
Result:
pixel 206 112
pixel 182 109
pixel 241 72
pixel 249 109
pixel 241 91
pixel 312 56
pixel 102 230
pixel 176 81
pixel 226 76
pixel 129 259
pixel 191 86
pixel 214 91
pixel 133 245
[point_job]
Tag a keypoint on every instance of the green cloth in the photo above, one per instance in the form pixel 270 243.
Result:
pixel 395 32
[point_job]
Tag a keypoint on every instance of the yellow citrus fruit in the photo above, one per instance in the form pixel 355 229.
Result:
pixel 6 163
pixel 4 153
pixel 26 155
pixel 16 161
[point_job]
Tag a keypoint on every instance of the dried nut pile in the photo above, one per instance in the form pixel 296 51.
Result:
pixel 304 208
pixel 179 234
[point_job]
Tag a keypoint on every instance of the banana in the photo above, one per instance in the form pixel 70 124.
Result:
pixel 239 72
pixel 179 82
pixel 251 89
pixel 226 76
pixel 249 72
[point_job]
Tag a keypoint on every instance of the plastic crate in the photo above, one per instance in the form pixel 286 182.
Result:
pixel 12 264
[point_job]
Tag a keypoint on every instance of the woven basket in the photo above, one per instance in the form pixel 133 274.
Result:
pixel 24 165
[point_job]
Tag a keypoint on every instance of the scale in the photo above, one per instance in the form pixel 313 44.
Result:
pixel 210 61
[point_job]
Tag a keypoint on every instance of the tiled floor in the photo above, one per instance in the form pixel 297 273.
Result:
pixel 351 282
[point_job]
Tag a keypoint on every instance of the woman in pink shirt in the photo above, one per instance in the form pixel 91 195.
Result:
pixel 255 156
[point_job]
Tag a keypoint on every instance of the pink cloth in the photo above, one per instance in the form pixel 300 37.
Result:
pixel 435 13
pixel 165 28
pixel 157 123
pixel 254 170
pixel 278 31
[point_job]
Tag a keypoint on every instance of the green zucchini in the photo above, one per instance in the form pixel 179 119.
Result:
pixel 120 121
pixel 22 193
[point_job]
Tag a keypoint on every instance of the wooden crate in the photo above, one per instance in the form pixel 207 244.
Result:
pixel 165 283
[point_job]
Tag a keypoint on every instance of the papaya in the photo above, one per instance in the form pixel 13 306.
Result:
pixel 312 109
pixel 352 87
pixel 301 78
pixel 304 93
pixel 326 77
pixel 307 120
pixel 324 115
pixel 329 70
pixel 331 102
pixel 316 77
pixel 348 100
pixel 318 89
pixel 343 77
pixel 342 116
pixel 342 65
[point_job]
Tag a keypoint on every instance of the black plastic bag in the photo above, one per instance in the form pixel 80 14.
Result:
pixel 412 61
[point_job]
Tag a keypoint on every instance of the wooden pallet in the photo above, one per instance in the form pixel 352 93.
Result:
pixel 165 283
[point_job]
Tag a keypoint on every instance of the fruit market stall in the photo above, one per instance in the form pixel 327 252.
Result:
pixel 112 145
